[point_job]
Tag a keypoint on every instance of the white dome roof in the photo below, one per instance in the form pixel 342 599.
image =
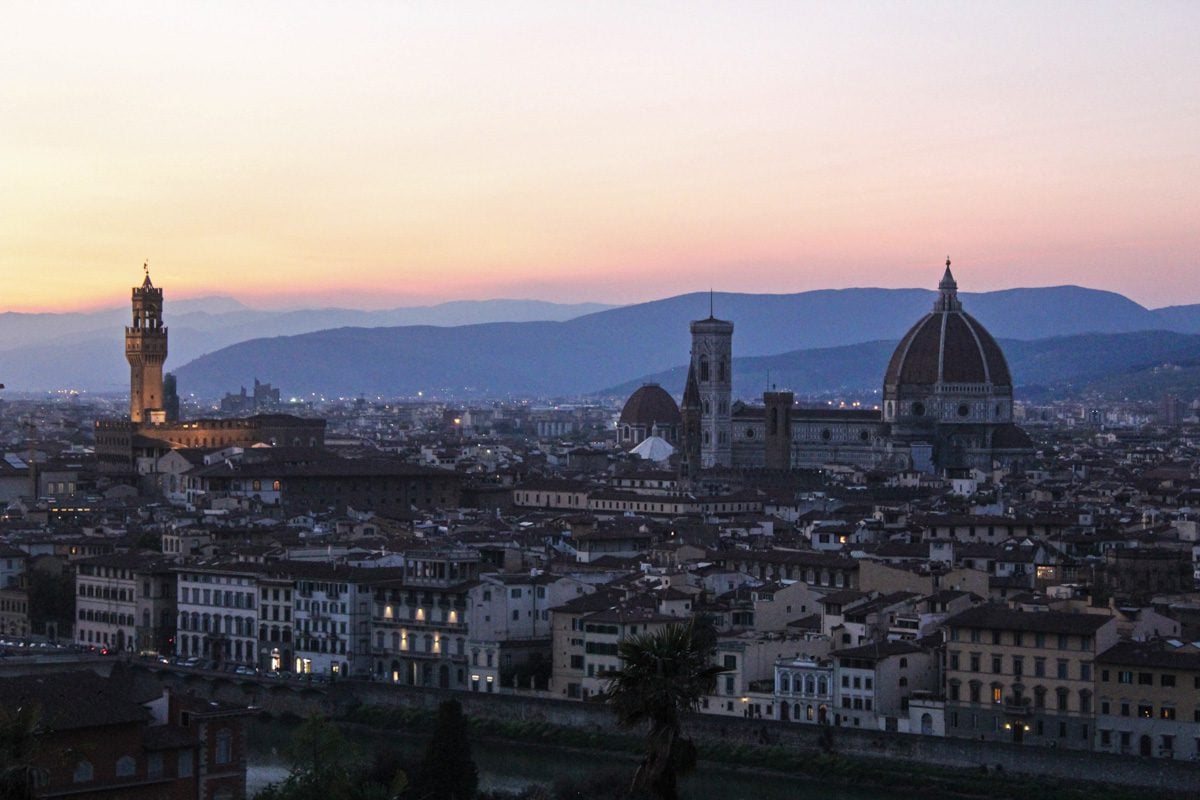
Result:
pixel 654 448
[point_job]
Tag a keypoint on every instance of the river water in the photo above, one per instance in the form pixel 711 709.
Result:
pixel 515 765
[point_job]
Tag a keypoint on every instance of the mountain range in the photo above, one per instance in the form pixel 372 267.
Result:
pixel 811 341
pixel 1140 365
pixel 87 350
pixel 590 353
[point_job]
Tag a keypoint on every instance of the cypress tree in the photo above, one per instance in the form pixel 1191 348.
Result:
pixel 447 771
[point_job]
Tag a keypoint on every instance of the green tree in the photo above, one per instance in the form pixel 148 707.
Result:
pixel 447 771
pixel 19 730
pixel 323 765
pixel 663 674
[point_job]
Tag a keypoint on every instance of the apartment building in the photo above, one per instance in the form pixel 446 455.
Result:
pixel 218 612
pixel 125 603
pixel 873 683
pixel 1149 699
pixel 1024 677
pixel 509 625
pixel 418 626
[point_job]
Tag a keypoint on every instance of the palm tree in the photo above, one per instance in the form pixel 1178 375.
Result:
pixel 662 675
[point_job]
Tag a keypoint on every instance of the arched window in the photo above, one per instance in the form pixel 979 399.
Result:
pixel 704 368
pixel 722 371
pixel 126 767
pixel 83 772
pixel 785 683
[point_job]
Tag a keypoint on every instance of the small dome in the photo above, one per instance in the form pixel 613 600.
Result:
pixel 648 406
pixel 654 448
pixel 947 345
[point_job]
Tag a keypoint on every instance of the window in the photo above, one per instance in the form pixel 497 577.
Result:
pixel 126 766
pixel 1039 667
pixel 83 772
pixel 1062 669
pixel 1145 679
pixel 954 661
pixel 974 662
pixel 1124 676
pixel 1085 672
pixel 154 765
pixel 185 764
pixel 996 693
pixel 224 749
pixel 997 666
pixel 1167 679
pixel 1166 712
pixel 1145 711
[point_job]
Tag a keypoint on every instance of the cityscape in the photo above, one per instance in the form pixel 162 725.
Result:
pixel 715 507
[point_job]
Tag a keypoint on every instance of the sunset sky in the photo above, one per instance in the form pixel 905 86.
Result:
pixel 376 154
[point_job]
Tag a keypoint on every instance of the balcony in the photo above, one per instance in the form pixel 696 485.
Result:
pixel 1017 705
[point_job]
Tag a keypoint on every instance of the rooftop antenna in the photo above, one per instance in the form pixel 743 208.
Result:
pixel 711 315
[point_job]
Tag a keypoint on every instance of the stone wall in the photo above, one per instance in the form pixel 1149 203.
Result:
pixel 278 697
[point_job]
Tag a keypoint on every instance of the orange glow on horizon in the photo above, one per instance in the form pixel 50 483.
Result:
pixel 381 155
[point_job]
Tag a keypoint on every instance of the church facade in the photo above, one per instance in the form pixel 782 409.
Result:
pixel 947 405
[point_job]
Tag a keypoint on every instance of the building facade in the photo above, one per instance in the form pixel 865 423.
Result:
pixel 1024 677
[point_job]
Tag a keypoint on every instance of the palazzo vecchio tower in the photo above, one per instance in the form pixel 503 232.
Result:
pixel 146 351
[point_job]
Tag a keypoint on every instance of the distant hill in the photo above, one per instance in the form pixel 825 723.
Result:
pixel 1185 319
pixel 607 348
pixel 1144 363
pixel 87 350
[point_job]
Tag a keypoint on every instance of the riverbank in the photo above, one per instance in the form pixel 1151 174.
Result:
pixel 515 765
pixel 965 767
pixel 765 762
